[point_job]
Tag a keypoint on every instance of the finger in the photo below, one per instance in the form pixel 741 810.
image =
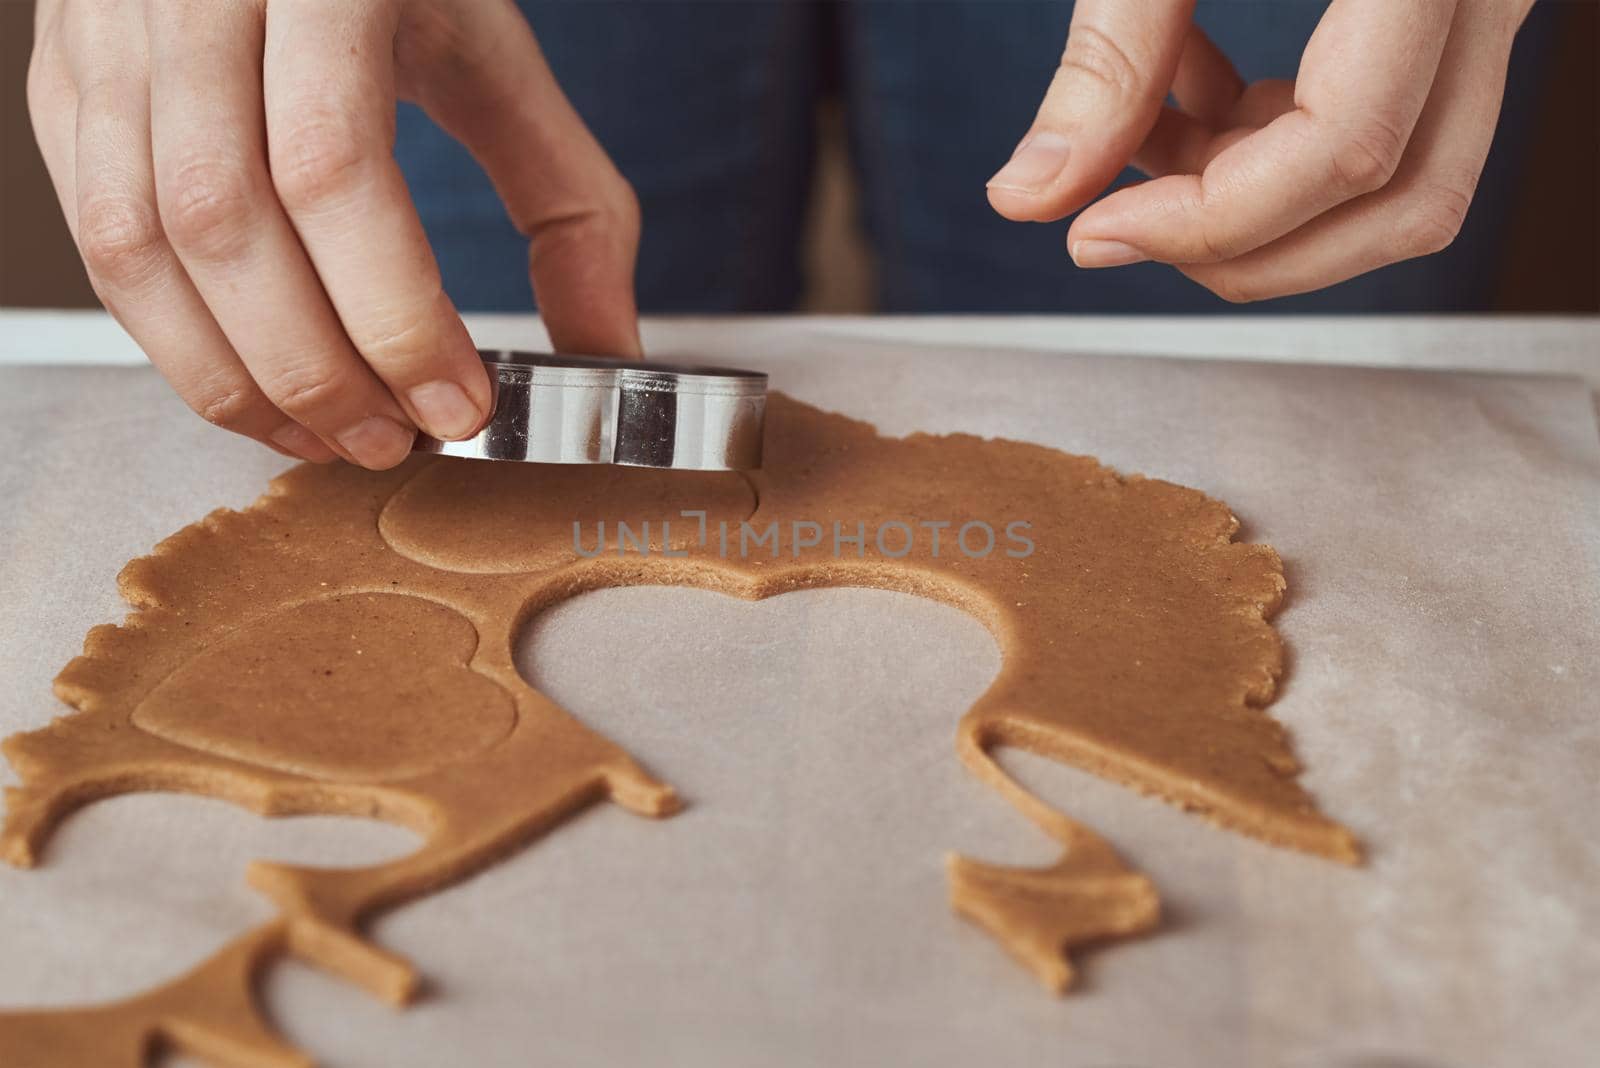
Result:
pixel 138 277
pixel 493 91
pixel 1101 104
pixel 234 241
pixel 1183 144
pixel 44 19
pixel 131 265
pixel 1177 144
pixel 1261 102
pixel 53 111
pixel 1205 83
pixel 1420 211
pixel 1363 83
pixel 330 99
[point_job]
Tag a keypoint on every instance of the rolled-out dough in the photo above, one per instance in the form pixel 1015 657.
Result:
pixel 344 646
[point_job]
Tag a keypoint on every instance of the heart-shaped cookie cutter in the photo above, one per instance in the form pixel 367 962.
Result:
pixel 588 410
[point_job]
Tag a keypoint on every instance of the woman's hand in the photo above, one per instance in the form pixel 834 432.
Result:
pixel 1368 157
pixel 226 169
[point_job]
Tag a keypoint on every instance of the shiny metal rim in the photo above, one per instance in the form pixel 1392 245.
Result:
pixel 586 409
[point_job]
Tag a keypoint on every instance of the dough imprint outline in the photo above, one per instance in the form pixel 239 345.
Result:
pixel 1134 644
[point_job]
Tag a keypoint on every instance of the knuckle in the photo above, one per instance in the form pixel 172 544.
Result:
pixel 1230 287
pixel 1094 55
pixel 207 205
pixel 1206 235
pixel 608 232
pixel 1435 220
pixel 400 342
pixel 305 392
pixel 564 235
pixel 316 158
pixel 1213 240
pixel 120 237
pixel 624 208
pixel 1234 293
pixel 1366 156
pixel 610 212
pixel 234 409
pixel 1212 246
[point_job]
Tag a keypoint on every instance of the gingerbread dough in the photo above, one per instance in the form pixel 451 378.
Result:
pixel 344 646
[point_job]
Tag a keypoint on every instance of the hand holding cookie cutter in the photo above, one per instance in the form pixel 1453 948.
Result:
pixel 588 410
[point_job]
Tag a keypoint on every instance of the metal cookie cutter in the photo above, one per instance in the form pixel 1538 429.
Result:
pixel 586 410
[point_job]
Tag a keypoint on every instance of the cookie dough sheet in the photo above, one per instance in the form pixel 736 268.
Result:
pixel 1441 540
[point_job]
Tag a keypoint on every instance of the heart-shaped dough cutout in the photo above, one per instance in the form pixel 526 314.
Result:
pixel 360 688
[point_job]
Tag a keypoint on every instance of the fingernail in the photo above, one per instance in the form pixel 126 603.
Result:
pixel 445 410
pixel 1093 252
pixel 296 439
pixel 1035 164
pixel 377 442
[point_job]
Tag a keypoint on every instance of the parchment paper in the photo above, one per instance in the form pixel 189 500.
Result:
pixel 1442 540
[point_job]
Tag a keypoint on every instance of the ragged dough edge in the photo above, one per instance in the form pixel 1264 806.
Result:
pixel 321 908
pixel 1089 873
pixel 976 886
pixel 982 730
pixel 1316 835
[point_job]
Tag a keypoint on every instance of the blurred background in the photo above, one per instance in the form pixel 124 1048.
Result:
pixel 1530 244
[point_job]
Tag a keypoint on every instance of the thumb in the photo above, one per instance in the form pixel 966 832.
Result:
pixel 480 74
pixel 1103 101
